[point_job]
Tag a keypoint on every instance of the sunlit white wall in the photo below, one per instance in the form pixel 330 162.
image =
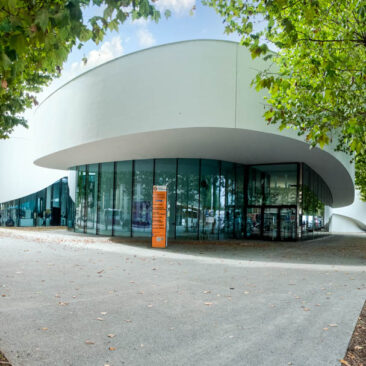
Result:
pixel 18 175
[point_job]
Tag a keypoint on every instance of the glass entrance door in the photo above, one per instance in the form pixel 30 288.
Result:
pixel 288 223
pixel 253 229
pixel 270 223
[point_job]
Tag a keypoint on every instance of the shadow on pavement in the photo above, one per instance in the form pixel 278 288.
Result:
pixel 333 250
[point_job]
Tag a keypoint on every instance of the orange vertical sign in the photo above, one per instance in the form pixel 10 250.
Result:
pixel 159 217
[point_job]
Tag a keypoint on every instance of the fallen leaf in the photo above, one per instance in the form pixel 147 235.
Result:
pixel 111 335
pixel 44 328
pixel 104 313
pixel 333 325
pixel 89 342
pixel 344 362
pixel 128 321
pixel 208 303
pixel 100 319
pixel 112 348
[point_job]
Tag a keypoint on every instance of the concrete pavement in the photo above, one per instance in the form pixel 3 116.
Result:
pixel 278 304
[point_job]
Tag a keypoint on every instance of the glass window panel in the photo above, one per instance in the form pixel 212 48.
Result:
pixel 10 213
pixel 92 198
pixel 56 194
pixel 122 215
pixel 64 201
pixel 165 174
pixel 142 198
pixel 280 183
pixel 187 198
pixel 27 211
pixel 41 207
pixel 255 194
pixel 227 200
pixel 239 202
pixel 80 199
pixel 254 220
pixel 288 223
pixel 270 223
pixel 105 199
pixel 209 199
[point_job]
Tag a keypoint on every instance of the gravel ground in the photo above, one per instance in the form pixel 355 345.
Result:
pixel 68 299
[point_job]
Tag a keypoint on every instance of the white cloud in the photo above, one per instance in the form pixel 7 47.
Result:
pixel 176 6
pixel 106 52
pixel 141 21
pixel 145 38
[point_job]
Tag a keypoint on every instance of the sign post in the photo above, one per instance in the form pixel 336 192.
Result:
pixel 159 217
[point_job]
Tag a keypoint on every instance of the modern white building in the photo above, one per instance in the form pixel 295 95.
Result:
pixel 184 115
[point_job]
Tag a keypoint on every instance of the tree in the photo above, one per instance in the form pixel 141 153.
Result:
pixel 36 37
pixel 318 83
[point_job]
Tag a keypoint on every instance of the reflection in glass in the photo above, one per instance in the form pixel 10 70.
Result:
pixel 64 201
pixel 142 198
pixel 227 200
pixel 254 220
pixel 165 175
pixel 239 202
pixel 122 215
pixel 270 223
pixel 209 200
pixel 80 200
pixel 92 198
pixel 255 187
pixel 27 210
pixel 187 198
pixel 288 223
pixel 105 199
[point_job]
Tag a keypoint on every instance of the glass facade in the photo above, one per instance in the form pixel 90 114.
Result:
pixel 207 199
pixel 51 206
pixel 314 196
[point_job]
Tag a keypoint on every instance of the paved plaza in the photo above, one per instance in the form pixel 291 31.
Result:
pixel 67 299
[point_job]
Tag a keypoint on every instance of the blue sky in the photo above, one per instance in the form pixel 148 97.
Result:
pixel 134 36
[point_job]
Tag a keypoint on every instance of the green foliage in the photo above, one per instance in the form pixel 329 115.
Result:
pixel 361 174
pixel 318 84
pixel 36 37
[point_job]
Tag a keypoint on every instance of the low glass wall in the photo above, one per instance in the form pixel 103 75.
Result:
pixel 51 206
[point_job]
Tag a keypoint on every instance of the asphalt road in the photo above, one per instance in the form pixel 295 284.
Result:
pixel 66 300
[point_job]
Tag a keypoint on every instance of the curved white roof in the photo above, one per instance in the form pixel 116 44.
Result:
pixel 189 99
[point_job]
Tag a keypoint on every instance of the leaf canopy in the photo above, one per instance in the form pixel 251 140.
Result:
pixel 318 83
pixel 36 37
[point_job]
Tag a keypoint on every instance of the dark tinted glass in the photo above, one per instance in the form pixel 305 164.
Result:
pixel 142 198
pixel 187 199
pixel 122 214
pixel 165 175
